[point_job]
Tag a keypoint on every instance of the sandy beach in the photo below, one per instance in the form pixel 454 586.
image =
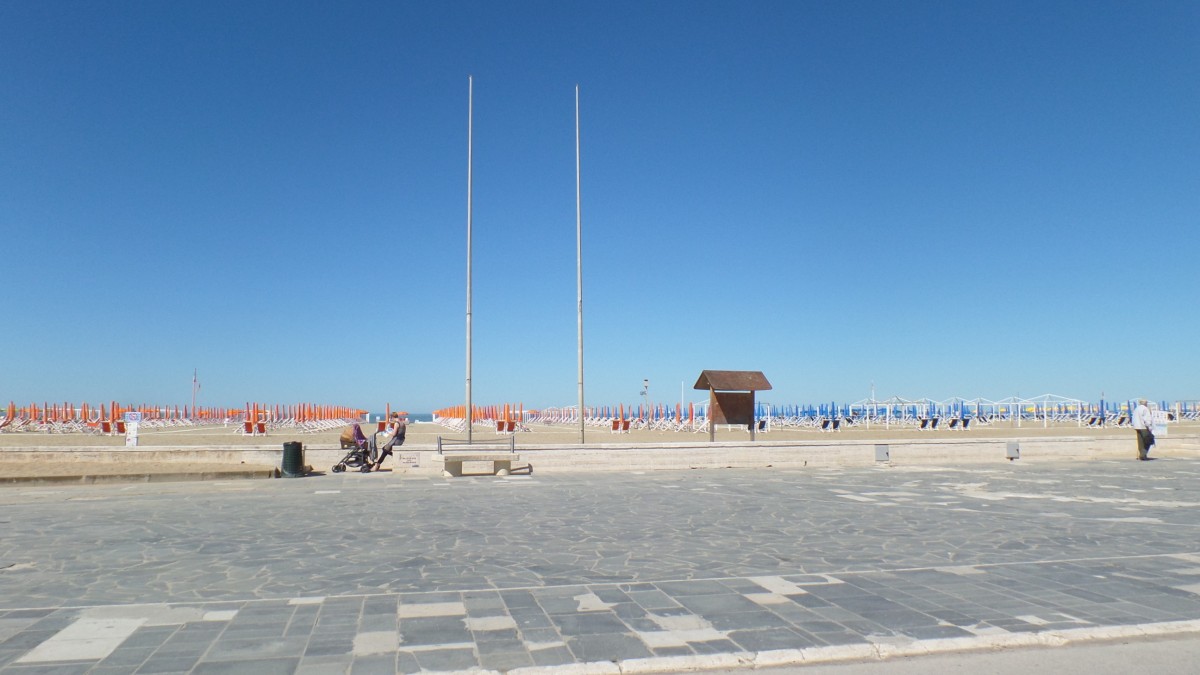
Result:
pixel 14 447
pixel 425 434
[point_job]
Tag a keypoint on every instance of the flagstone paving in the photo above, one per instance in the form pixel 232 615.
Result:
pixel 372 573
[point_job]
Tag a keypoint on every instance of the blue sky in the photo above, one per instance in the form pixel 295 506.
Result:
pixel 936 198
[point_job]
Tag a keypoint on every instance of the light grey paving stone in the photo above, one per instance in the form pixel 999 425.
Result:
pixel 78 668
pixel 715 647
pixel 506 660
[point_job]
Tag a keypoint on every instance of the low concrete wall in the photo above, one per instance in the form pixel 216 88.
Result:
pixel 417 459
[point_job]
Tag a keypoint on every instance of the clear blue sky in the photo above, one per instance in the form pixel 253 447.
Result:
pixel 941 198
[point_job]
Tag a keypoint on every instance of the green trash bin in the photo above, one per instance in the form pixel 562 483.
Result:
pixel 293 459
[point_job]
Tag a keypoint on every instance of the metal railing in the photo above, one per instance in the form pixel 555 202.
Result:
pixel 511 442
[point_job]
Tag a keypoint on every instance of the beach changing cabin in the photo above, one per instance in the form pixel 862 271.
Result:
pixel 731 397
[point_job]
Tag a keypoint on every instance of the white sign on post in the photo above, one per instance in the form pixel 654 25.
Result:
pixel 132 419
pixel 1159 427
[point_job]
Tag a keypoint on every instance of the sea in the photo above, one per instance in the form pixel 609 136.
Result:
pixel 412 417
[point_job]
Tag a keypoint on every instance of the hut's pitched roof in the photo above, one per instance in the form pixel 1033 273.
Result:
pixel 733 380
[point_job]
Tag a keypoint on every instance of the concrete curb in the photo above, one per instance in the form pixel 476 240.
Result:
pixel 160 477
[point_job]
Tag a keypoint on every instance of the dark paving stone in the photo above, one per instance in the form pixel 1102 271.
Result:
pixel 699 545
pixel 746 620
pixel 677 589
pixel 592 623
pixel 769 638
pixel 168 664
pixel 728 603
pixel 551 656
pixel 937 632
pixel 257 667
pixel 607 647
pixel 406 662
pixel 128 657
pixel 446 659
pixel 255 649
pixel 377 664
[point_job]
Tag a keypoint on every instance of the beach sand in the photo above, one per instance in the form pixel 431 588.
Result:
pixel 425 436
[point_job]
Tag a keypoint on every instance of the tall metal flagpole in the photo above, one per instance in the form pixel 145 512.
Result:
pixel 470 123
pixel 579 266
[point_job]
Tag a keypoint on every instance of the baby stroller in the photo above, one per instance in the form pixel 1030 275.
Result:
pixel 362 452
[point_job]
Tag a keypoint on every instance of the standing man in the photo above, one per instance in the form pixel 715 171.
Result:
pixel 1143 421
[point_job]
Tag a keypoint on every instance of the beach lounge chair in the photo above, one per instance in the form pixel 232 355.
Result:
pixel 924 424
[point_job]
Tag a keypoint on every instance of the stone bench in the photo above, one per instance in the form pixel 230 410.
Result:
pixel 460 457
pixel 476 463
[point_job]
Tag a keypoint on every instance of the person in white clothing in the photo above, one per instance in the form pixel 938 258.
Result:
pixel 1143 421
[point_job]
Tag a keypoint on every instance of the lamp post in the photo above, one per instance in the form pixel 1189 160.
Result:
pixel 646 399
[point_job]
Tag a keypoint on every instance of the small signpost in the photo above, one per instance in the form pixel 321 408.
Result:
pixel 1159 419
pixel 132 419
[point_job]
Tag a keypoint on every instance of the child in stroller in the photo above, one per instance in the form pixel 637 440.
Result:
pixel 362 452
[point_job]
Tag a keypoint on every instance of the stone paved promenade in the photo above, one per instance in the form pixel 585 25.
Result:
pixel 661 571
